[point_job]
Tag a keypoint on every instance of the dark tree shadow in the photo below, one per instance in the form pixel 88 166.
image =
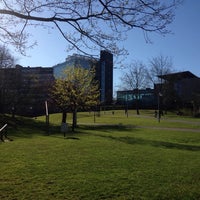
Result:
pixel 27 127
pixel 169 145
pixel 106 127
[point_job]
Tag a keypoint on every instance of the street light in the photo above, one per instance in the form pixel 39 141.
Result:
pixel 126 109
pixel 159 113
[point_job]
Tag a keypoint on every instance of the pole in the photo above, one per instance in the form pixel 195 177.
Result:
pixel 47 118
pixel 159 112
pixel 94 116
pixel 126 105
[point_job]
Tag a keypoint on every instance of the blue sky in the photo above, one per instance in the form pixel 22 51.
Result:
pixel 183 46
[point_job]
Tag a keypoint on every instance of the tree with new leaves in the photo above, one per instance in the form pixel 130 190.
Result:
pixel 76 89
pixel 84 24
pixel 134 79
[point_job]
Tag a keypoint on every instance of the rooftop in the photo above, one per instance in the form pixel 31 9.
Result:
pixel 178 76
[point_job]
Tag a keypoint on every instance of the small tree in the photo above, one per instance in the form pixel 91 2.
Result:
pixel 76 89
pixel 135 79
pixel 160 66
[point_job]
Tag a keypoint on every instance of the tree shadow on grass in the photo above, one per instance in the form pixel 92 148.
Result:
pixel 154 143
pixel 27 128
pixel 24 127
pixel 105 127
pixel 86 130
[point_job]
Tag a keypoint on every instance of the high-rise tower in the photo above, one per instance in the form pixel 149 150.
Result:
pixel 105 76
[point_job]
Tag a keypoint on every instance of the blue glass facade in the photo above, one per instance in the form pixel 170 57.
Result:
pixel 146 98
pixel 74 61
pixel 104 71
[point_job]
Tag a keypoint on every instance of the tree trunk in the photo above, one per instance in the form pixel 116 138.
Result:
pixel 137 104
pixel 13 112
pixel 64 117
pixel 64 123
pixel 74 123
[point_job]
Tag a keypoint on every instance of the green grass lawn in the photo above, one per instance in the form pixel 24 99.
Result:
pixel 114 158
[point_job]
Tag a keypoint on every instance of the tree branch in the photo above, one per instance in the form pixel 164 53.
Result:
pixel 101 22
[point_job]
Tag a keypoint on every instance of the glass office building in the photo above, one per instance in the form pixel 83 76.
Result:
pixel 104 71
pixel 146 98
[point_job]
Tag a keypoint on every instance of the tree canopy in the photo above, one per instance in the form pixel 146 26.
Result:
pixel 85 24
pixel 159 65
pixel 77 89
pixel 135 76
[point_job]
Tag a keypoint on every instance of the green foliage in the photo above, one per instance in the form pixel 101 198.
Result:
pixel 76 89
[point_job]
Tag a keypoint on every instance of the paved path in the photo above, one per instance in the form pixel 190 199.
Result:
pixel 168 128
pixel 165 118
pixel 185 121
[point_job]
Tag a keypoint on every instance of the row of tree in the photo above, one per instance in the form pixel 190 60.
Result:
pixel 137 76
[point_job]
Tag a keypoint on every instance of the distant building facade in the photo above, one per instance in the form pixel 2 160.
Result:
pixel 146 98
pixel 177 90
pixel 103 67
pixel 23 90
pixel 185 86
pixel 74 60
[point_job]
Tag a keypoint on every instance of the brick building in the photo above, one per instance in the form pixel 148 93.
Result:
pixel 23 90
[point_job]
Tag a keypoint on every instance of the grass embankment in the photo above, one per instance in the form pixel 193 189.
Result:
pixel 113 160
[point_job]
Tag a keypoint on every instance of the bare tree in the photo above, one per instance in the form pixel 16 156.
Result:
pixel 85 23
pixel 159 66
pixel 134 79
pixel 6 59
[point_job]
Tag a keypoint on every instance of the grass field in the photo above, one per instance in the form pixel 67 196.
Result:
pixel 117 157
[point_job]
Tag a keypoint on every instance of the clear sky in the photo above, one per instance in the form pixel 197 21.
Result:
pixel 183 46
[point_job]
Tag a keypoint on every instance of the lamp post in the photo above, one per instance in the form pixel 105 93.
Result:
pixel 126 111
pixel 13 111
pixel 159 112
pixel 47 117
